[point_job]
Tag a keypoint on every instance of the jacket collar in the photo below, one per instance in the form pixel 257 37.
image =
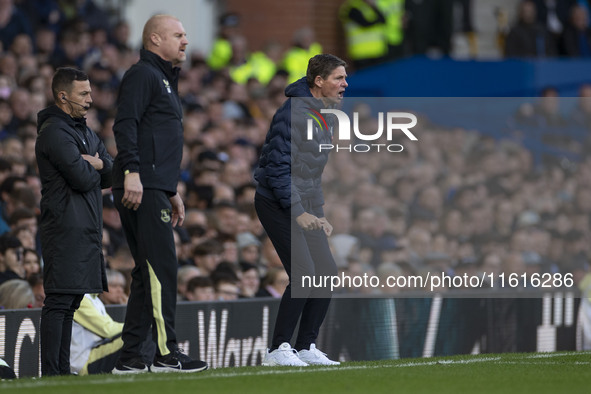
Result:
pixel 165 66
pixel 53 111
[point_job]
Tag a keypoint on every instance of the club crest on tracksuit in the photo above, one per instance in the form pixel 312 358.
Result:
pixel 165 215
pixel 167 84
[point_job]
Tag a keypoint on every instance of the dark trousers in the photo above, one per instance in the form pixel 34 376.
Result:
pixel 56 332
pixel 152 298
pixel 301 253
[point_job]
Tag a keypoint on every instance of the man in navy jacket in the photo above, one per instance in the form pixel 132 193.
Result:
pixel 289 203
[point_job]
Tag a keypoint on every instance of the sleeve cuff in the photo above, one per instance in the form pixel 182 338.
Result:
pixel 296 210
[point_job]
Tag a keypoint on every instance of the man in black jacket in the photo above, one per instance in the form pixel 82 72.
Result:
pixel 289 203
pixel 149 135
pixel 73 166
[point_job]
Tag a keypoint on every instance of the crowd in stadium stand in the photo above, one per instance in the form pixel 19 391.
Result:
pixel 457 202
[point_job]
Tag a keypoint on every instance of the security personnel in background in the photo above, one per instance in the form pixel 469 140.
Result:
pixel 295 61
pixel 393 11
pixel 260 65
pixel 221 53
pixel 364 26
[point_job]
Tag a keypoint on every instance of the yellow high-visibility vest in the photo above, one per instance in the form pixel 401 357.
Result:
pixel 296 60
pixel 393 11
pixel 220 55
pixel 363 42
pixel 258 65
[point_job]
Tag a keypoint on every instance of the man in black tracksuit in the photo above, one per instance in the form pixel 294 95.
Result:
pixel 73 166
pixel 289 203
pixel 149 135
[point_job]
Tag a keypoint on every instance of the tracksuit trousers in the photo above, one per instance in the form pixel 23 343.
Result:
pixel 152 298
pixel 301 253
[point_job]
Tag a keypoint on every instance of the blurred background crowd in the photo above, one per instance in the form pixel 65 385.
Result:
pixel 457 201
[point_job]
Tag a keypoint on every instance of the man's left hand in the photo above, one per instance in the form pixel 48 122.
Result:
pixel 178 210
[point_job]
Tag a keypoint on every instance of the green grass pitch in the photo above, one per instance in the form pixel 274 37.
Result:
pixel 536 373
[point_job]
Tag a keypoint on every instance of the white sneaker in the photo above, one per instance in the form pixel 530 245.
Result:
pixel 284 355
pixel 315 357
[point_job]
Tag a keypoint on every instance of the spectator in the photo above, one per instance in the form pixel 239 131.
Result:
pixel 373 233
pixel 122 261
pixel 554 14
pixel 117 293
pixel 230 248
pixel 182 244
pixel 200 288
pixel 576 38
pixel 546 112
pixel 36 283
pixel 45 40
pixel 31 262
pixel 429 25
pixel 269 257
pixel 12 23
pixel 25 236
pixel 250 280
pixel 248 248
pixel 11 258
pixel 184 275
pixel 274 283
pixel 25 218
pixel 226 287
pixel 112 223
pixel 527 38
pixel 96 338
pixel 224 214
pixel 207 255
pixel 120 35
pixel 581 114
pixel 16 294
pixel 20 104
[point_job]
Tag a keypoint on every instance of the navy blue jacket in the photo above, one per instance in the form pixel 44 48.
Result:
pixel 149 124
pixel 291 166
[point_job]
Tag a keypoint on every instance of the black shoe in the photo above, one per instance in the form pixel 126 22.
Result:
pixel 177 361
pixel 6 372
pixel 133 366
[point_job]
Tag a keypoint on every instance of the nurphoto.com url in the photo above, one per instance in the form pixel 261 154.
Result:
pixel 437 281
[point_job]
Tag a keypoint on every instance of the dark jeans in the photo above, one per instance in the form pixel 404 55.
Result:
pixel 301 253
pixel 56 332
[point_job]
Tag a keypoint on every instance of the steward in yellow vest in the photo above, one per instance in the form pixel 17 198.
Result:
pixel 364 26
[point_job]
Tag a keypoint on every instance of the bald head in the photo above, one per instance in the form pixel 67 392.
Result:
pixel 165 36
pixel 154 25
